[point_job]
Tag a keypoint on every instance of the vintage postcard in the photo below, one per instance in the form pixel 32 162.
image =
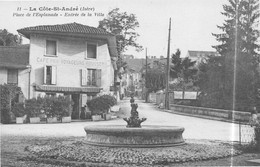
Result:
pixel 130 83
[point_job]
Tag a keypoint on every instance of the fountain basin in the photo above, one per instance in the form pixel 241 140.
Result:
pixel 147 136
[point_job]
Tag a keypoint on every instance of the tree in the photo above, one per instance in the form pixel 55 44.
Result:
pixel 9 39
pixel 155 77
pixel 209 80
pixel 236 67
pixel 155 80
pixel 123 25
pixel 182 69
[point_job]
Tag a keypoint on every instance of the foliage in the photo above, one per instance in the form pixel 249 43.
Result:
pixel 52 106
pixel 183 69
pixel 48 106
pixel 33 107
pixel 62 106
pixel 101 104
pixel 257 136
pixel 155 80
pixel 8 94
pixel 123 25
pixel 57 106
pixel 237 42
pixel 210 82
pixel 18 109
pixel 155 76
pixel 9 39
pixel 176 61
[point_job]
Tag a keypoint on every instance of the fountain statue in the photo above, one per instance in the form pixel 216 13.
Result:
pixel 133 121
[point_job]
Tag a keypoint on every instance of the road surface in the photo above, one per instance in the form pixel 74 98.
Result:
pixel 195 128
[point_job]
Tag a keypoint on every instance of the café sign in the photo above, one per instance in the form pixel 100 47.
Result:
pixel 67 62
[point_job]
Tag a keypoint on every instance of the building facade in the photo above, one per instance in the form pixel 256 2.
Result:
pixel 69 59
pixel 200 56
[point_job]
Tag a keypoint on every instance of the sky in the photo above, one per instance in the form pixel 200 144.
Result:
pixel 192 21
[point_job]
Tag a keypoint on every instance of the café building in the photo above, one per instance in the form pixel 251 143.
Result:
pixel 68 59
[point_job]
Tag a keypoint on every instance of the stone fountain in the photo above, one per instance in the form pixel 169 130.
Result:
pixel 133 134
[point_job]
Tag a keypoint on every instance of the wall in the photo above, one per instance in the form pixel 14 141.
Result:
pixel 69 61
pixel 23 79
pixel 3 75
pixel 218 113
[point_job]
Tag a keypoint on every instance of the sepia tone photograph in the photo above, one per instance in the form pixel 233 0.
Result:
pixel 125 83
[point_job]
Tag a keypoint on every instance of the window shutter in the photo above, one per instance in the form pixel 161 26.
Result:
pixel 53 75
pixel 44 74
pixel 98 76
pixel 83 77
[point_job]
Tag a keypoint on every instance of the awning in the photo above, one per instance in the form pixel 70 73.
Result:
pixel 59 89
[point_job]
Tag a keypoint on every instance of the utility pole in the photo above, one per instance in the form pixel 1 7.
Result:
pixel 167 105
pixel 146 90
pixel 235 64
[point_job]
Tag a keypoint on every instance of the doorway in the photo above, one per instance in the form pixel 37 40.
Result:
pixel 75 106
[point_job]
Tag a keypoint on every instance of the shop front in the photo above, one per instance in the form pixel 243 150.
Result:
pixel 78 95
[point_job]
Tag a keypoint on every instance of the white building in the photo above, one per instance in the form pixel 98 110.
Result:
pixel 69 59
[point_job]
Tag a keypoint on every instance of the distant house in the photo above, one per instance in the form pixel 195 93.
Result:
pixel 200 56
pixel 68 59
pixel 126 57
pixel 14 67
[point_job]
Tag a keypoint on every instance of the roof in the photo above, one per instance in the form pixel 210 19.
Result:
pixel 14 56
pixel 201 53
pixel 64 28
pixel 73 29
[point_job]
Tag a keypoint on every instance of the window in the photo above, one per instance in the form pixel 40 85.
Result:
pixel 92 51
pixel 12 76
pixel 50 75
pixel 51 48
pixel 91 77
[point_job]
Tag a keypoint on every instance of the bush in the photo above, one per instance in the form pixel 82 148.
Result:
pixel 8 94
pixel 18 109
pixel 101 104
pixel 57 106
pixel 33 106
pixel 61 106
pixel 257 136
pixel 48 106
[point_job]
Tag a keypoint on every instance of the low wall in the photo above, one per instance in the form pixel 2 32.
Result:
pixel 218 113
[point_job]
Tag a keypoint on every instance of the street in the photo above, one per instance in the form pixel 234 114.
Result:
pixel 195 128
